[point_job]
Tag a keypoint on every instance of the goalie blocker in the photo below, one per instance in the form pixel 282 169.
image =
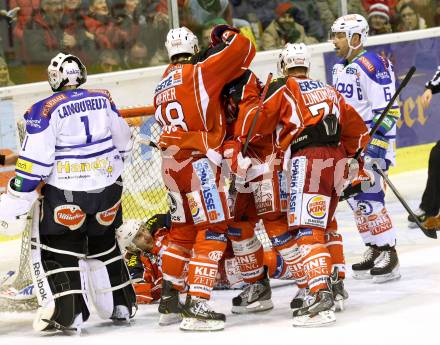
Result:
pixel 75 259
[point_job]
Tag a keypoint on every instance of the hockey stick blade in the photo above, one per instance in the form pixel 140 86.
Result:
pixel 373 130
pixel 428 233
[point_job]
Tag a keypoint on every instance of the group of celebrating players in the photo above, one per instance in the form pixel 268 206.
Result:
pixel 235 153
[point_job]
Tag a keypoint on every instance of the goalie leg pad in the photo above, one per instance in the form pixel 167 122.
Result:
pixel 108 267
pixel 57 281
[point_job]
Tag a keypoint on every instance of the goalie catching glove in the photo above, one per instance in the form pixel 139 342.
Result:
pixel 14 208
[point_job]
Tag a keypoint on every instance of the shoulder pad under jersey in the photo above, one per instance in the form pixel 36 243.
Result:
pixel 276 84
pixel 375 67
pixel 234 89
pixel 38 116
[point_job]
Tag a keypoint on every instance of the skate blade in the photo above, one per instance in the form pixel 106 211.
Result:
pixel 169 319
pixel 255 307
pixel 193 324
pixel 394 275
pixel 362 275
pixel 323 318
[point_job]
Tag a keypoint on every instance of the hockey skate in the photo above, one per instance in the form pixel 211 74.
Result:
pixel 387 266
pixel 254 298
pixel 299 301
pixel 339 292
pixel 169 305
pixel 198 316
pixel 361 270
pixel 421 216
pixel 319 311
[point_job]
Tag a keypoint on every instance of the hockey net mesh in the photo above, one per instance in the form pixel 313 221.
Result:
pixel 144 195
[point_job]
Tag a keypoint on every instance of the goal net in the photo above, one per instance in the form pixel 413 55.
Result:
pixel 143 196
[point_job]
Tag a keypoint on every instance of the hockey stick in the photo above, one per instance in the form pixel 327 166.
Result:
pixel 428 233
pixel 257 114
pixel 384 113
pixel 232 188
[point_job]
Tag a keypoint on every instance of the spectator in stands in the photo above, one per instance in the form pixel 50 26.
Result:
pixel 284 29
pixel 128 23
pixel 379 19
pixel 328 10
pixel 424 8
pixel 75 39
pixel 137 57
pixel 99 25
pixel 392 5
pixel 261 10
pixel 409 19
pixel 4 74
pixel 306 13
pixel 198 12
pixel 43 35
pixel 108 61
pixel 27 7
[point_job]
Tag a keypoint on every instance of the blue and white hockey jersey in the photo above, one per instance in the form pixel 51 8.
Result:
pixel 368 83
pixel 75 140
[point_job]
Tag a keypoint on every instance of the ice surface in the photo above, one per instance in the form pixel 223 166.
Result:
pixel 401 312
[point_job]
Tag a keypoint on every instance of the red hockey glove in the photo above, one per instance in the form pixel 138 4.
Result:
pixel 235 160
pixel 217 32
pixel 359 180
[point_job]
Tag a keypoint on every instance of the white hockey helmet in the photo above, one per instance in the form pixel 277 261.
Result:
pixel 126 233
pixel 181 41
pixel 293 55
pixel 352 24
pixel 65 70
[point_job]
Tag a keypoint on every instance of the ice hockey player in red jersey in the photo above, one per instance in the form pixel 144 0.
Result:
pixel 144 241
pixel 187 105
pixel 317 131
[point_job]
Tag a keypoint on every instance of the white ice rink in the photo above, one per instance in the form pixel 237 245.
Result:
pixel 402 312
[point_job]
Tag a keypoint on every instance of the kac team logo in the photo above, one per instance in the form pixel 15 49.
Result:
pixel 317 207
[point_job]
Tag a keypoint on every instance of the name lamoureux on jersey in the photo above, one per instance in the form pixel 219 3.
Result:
pixel 76 140
pixel 368 83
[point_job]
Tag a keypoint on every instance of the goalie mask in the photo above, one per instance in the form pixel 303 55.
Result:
pixel 66 70
pixel 181 41
pixel 293 55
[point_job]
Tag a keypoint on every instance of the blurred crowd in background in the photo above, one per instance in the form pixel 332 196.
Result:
pixel 113 35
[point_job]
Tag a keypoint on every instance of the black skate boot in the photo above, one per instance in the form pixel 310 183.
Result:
pixel 299 300
pixel 361 270
pixel 339 292
pixel 198 316
pixel 318 312
pixel 254 297
pixel 169 305
pixel 387 265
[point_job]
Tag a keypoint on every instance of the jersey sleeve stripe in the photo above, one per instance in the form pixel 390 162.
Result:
pixel 35 162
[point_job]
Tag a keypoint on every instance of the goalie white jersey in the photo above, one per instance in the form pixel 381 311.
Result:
pixel 75 140
pixel 368 83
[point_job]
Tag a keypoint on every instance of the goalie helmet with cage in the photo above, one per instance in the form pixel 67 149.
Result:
pixel 293 55
pixel 350 25
pixel 181 41
pixel 66 70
